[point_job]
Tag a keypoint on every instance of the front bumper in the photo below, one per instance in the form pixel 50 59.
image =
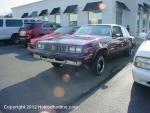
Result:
pixel 141 76
pixel 24 39
pixel 74 63
pixel 62 58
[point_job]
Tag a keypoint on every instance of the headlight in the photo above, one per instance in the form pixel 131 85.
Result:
pixel 40 46
pixel 72 49
pixel 142 62
pixel 78 49
pixel 75 49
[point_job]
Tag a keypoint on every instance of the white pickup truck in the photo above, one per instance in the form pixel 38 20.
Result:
pixel 9 28
pixel 141 68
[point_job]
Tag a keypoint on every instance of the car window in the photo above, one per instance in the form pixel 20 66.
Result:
pixel 100 30
pixel 148 36
pixel 117 30
pixel 125 32
pixel 63 30
pixel 14 23
pixel 1 23
pixel 28 25
pixel 47 26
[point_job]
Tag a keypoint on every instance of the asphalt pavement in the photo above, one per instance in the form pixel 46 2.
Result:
pixel 120 95
pixel 26 81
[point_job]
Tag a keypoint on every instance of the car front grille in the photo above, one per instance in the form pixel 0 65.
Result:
pixel 56 48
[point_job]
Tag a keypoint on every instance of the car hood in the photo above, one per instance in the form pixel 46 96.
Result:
pixel 74 40
pixel 45 37
pixel 144 49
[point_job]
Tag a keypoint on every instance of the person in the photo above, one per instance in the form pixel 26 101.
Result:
pixel 128 28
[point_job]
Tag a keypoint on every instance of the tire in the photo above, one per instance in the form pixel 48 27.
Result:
pixel 129 52
pixel 98 66
pixel 56 64
pixel 15 39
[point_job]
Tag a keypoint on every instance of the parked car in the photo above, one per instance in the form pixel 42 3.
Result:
pixel 90 45
pixel 141 68
pixel 9 28
pixel 57 33
pixel 34 29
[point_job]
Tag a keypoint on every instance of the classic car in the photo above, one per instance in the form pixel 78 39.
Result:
pixel 141 67
pixel 57 33
pixel 90 45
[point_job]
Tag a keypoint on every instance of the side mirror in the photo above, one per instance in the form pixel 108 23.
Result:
pixel 116 35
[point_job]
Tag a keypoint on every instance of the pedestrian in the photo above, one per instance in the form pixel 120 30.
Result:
pixel 128 28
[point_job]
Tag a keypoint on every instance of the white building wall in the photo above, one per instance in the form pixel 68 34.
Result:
pixel 108 15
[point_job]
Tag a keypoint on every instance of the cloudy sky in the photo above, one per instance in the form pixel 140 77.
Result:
pixel 6 5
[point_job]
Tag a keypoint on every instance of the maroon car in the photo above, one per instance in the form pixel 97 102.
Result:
pixel 56 34
pixel 90 45
pixel 32 30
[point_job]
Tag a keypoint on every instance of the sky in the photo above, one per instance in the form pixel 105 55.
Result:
pixel 6 5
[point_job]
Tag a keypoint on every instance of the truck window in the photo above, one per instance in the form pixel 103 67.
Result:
pixel 1 23
pixel 13 23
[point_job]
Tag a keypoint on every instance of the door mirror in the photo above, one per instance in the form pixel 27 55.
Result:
pixel 114 35
pixel 118 35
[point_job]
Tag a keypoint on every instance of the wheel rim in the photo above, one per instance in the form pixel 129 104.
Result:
pixel 100 65
pixel 130 51
pixel 16 40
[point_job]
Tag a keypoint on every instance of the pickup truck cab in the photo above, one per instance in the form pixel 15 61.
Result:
pixel 89 45
pixel 141 67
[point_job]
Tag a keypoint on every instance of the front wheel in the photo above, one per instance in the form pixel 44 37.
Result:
pixel 15 39
pixel 98 66
pixel 55 64
pixel 129 52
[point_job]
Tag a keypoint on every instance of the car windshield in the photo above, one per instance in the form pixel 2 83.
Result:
pixel 63 30
pixel 100 30
pixel 30 25
pixel 148 37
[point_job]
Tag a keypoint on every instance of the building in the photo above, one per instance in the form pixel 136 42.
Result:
pixel 135 13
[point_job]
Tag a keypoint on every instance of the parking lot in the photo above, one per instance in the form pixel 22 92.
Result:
pixel 26 81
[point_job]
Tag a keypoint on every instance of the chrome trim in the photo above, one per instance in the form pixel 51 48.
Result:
pixel 74 63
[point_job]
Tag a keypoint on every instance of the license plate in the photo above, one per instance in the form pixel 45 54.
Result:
pixel 37 57
pixel 44 59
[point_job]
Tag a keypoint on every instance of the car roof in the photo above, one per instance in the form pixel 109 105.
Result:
pixel 105 24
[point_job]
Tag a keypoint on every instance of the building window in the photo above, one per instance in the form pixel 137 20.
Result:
pixel 57 19
pixel 145 21
pixel 73 19
pixel 119 13
pixel 95 17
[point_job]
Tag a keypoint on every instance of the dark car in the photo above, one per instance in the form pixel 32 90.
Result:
pixel 90 45
pixel 34 29
pixel 56 34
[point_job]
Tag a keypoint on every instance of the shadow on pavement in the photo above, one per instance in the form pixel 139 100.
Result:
pixel 62 86
pixel 140 99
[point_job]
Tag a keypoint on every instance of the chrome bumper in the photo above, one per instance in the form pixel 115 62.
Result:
pixel 74 63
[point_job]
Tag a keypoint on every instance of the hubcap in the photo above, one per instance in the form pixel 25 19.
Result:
pixel 130 51
pixel 100 65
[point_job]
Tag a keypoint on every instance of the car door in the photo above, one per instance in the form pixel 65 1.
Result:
pixel 117 42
